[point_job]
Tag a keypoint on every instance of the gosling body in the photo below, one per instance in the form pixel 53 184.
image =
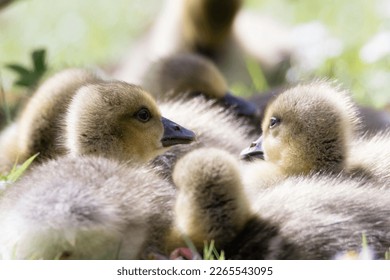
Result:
pixel 187 75
pixel 85 208
pixel 210 202
pixel 38 127
pixel 321 216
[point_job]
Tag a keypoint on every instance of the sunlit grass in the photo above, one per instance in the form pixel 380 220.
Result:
pixel 73 36
pixel 258 80
pixel 15 173
pixel 365 252
pixel 74 33
pixel 211 253
pixel 354 23
pixel 387 255
pixel 4 103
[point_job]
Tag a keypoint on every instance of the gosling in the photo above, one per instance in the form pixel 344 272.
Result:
pixel 301 217
pixel 89 207
pixel 313 129
pixel 85 207
pixel 79 113
pixel 307 129
pixel 183 75
pixel 210 203
pixel 315 217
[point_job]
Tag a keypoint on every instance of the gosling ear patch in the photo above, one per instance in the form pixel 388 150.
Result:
pixel 175 134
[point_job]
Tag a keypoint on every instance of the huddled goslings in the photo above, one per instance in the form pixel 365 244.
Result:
pixel 306 194
pixel 77 112
pixel 309 192
pixel 300 217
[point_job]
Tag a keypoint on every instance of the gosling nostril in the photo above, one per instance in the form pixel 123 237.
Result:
pixel 177 128
pixel 253 145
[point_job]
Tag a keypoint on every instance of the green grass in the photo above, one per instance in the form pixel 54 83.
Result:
pixel 72 32
pixel 365 252
pixel 387 255
pixel 211 253
pixel 30 76
pixel 15 173
pixel 5 108
pixel 73 35
pixel 354 23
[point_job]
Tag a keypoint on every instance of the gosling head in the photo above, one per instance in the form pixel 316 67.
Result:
pixel 191 74
pixel 307 129
pixel 207 25
pixel 121 121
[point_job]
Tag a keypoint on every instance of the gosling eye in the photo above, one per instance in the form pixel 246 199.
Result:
pixel 143 115
pixel 274 122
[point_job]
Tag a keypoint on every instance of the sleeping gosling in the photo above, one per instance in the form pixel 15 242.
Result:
pixel 89 207
pixel 210 203
pixel 39 124
pixel 186 75
pixel 315 217
pixel 85 207
pixel 301 217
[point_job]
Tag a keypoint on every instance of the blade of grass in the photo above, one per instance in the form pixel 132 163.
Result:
pixel 18 171
pixel 6 109
pixel 257 76
pixel 207 253
pixel 219 256
pixel 211 253
pixel 190 245
pixel 364 241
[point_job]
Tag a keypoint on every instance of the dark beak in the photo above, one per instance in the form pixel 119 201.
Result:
pixel 254 151
pixel 240 105
pixel 175 134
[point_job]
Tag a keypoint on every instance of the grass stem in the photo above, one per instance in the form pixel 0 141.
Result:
pixel 3 97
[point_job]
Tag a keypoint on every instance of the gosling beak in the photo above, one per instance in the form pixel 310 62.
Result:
pixel 254 151
pixel 175 134
pixel 241 106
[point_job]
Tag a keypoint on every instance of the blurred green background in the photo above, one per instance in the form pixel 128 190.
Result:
pixel 98 32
